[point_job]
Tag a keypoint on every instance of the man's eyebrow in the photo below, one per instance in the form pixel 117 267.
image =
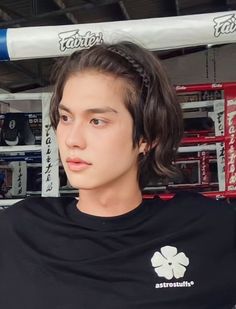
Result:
pixel 95 110
pixel 100 110
pixel 63 107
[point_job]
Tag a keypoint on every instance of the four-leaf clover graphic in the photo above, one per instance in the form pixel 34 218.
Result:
pixel 169 264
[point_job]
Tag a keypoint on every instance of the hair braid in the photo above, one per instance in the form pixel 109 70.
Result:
pixel 135 64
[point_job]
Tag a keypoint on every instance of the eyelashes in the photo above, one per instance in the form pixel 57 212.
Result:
pixel 97 122
pixel 64 118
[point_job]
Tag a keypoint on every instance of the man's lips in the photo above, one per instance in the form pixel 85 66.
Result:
pixel 76 164
pixel 77 160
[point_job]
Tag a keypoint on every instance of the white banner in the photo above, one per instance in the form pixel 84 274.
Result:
pixel 19 178
pixel 50 164
pixel 220 147
pixel 153 33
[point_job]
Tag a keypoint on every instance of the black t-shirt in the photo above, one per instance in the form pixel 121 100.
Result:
pixel 178 254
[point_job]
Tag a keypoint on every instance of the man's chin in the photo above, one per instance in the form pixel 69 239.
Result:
pixel 81 186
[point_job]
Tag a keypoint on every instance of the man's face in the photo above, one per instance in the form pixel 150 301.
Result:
pixel 96 127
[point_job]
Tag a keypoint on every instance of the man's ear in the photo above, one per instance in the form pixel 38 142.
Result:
pixel 144 147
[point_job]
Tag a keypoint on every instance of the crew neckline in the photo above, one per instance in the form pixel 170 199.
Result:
pixel 133 217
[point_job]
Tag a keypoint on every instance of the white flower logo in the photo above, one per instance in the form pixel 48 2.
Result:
pixel 169 264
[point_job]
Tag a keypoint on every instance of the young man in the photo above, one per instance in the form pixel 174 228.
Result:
pixel 117 122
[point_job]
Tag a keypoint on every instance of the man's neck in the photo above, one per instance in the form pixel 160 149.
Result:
pixel 109 202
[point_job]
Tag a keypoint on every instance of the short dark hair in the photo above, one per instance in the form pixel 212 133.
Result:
pixel 149 97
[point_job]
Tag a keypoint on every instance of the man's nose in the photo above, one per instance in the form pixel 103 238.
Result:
pixel 76 137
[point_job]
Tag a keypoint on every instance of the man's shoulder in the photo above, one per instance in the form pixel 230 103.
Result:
pixel 198 201
pixel 35 207
pixel 208 209
pixel 32 221
pixel 187 207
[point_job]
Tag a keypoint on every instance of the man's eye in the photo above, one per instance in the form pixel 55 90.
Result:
pixel 63 118
pixel 97 122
